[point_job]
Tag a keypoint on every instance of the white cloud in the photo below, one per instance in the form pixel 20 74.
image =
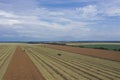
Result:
pixel 55 13
pixel 113 11
pixel 7 14
pixel 37 22
pixel 88 11
pixel 37 25
pixel 109 8
pixel 9 22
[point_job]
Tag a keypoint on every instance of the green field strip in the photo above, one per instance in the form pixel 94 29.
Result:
pixel 115 47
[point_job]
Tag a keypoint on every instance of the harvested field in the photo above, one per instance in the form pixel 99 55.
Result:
pixel 22 68
pixel 112 55
pixel 6 52
pixel 35 62
pixel 69 66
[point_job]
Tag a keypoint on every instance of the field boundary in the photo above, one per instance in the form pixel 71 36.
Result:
pixel 104 54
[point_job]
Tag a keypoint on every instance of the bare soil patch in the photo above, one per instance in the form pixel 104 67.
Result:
pixel 112 55
pixel 22 68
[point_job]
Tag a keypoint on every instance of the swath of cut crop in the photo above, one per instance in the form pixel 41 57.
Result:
pixel 22 68
pixel 6 53
pixel 69 66
pixel 111 55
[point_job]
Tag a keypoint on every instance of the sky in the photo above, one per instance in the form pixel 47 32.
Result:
pixel 59 20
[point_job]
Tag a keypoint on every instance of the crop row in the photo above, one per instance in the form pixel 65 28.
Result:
pixel 6 53
pixel 56 64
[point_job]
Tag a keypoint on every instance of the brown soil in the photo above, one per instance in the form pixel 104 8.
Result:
pixel 22 68
pixel 112 55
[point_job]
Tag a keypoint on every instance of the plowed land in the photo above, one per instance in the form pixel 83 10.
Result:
pixel 21 68
pixel 112 55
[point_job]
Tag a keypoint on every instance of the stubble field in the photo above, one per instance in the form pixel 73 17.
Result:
pixel 42 62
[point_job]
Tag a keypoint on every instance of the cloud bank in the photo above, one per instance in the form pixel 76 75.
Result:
pixel 27 20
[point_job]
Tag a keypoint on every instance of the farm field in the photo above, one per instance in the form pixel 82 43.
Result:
pixel 104 46
pixel 21 68
pixel 70 66
pixel 93 43
pixel 6 52
pixel 38 62
pixel 111 55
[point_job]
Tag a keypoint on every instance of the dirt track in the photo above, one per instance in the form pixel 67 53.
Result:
pixel 22 68
pixel 112 55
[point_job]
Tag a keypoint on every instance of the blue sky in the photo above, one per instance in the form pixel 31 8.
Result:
pixel 59 20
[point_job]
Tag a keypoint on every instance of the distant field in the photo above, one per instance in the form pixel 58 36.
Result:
pixel 92 43
pixel 105 46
